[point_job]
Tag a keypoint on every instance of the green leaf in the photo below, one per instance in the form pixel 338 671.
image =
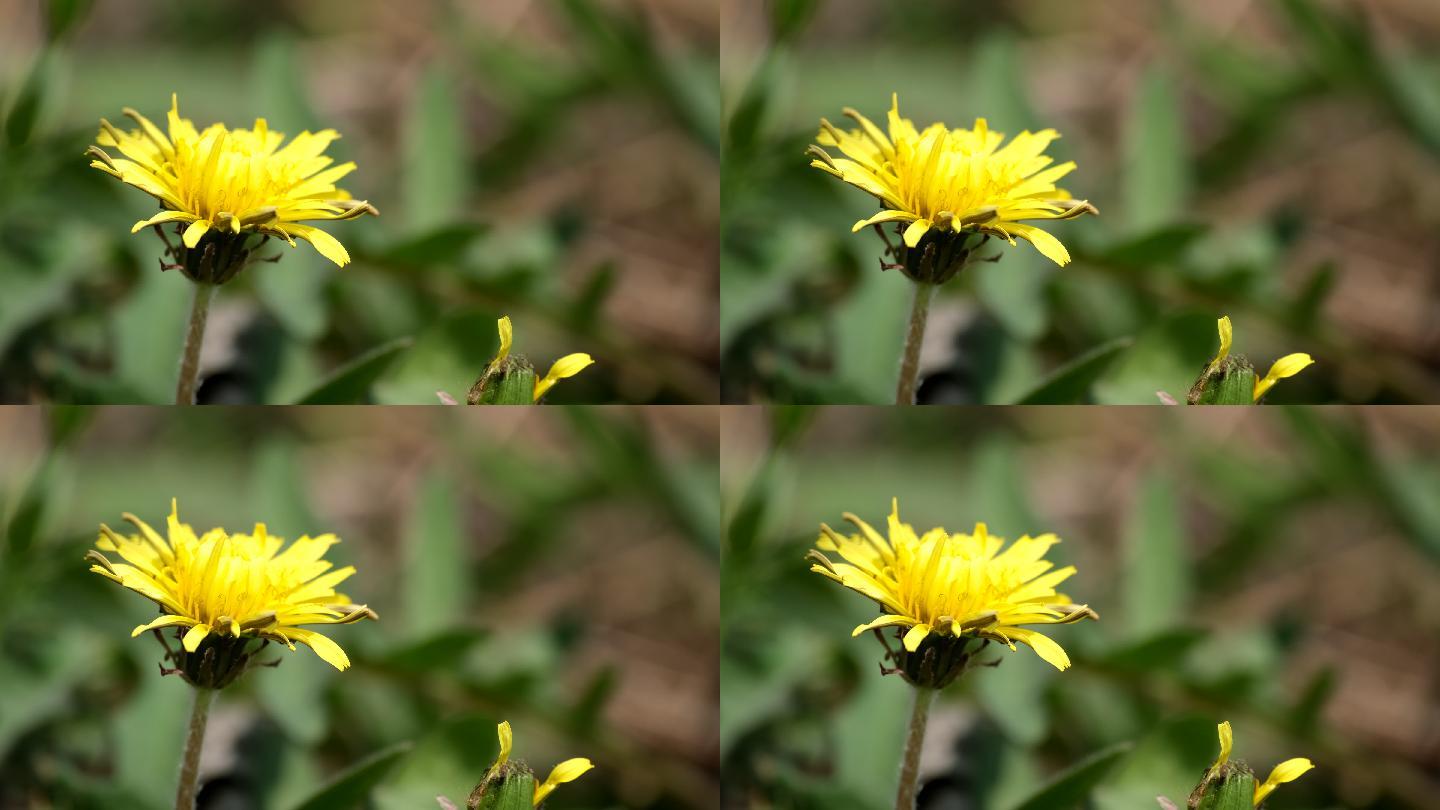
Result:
pixel 1306 715
pixel 868 347
pixel 751 113
pixel 442 652
pixel 1071 383
pixel 449 760
pixel 435 577
pixel 1166 357
pixel 350 788
pixel 1167 244
pixel 589 710
pixel 1013 695
pixel 149 731
pixel 789 17
pixel 872 730
pixel 1162 652
pixel 25 110
pixel 27 515
pixel 1156 174
pixel 1408 488
pixel 63 15
pixel 66 422
pixel 350 384
pixel 444 245
pixel 449 356
pixel 1069 788
pixel 1166 762
pixel 435 176
pixel 42 689
pixel 149 331
pixel 1156 585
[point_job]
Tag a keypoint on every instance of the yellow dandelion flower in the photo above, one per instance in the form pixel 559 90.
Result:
pixel 1287 366
pixel 567 771
pixel 228 587
pixel 953 585
pixel 953 180
pixel 232 180
pixel 1287 771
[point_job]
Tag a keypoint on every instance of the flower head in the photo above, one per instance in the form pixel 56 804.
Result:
pixel 567 771
pixel 1287 366
pixel 232 180
pixel 1287 771
pixel 488 386
pixel 953 180
pixel 229 588
pixel 953 585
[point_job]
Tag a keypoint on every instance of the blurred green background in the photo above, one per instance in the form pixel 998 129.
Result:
pixel 556 568
pixel 554 160
pixel 1278 568
pixel 1277 161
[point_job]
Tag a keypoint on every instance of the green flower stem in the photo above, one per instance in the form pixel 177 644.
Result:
pixel 914 337
pixel 194 739
pixel 194 337
pixel 914 741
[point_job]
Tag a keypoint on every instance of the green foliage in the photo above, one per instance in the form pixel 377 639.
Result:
pixel 1179 527
pixel 478 544
pixel 1172 146
pixel 462 159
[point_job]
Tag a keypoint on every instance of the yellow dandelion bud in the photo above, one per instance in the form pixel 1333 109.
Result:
pixel 945 588
pixel 512 381
pixel 224 590
pixel 1232 381
pixel 508 783
pixel 1227 776
pixel 231 181
pixel 952 181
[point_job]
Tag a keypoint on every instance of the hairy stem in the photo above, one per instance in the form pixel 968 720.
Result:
pixel 914 741
pixel 914 337
pixel 194 337
pixel 194 738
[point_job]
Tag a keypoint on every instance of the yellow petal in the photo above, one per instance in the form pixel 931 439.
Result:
pixel 888 620
pixel 1044 241
pixel 567 366
pixel 327 245
pixel 1227 742
pixel 916 635
pixel 1044 646
pixel 1287 366
pixel 196 635
pixel 888 215
pixel 328 650
pixel 507 742
pixel 169 620
pixel 916 232
pixel 161 218
pixel 1287 771
pixel 507 339
pixel 1227 335
pixel 193 233
pixel 567 771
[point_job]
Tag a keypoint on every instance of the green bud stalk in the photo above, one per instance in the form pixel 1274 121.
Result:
pixel 1233 383
pixel 1233 789
pixel 513 788
pixel 513 383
